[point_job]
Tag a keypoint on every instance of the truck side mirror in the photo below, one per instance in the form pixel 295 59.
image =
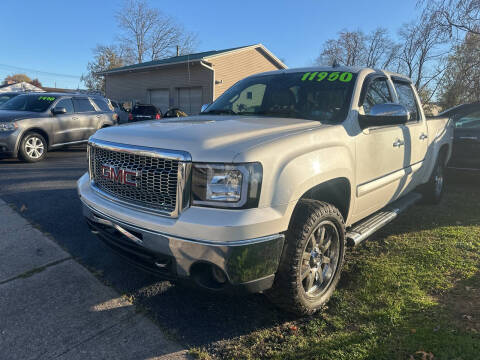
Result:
pixel 204 107
pixel 384 115
pixel 59 111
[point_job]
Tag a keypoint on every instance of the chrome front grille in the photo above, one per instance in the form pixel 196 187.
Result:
pixel 158 181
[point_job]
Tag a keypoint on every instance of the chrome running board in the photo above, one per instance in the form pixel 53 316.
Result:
pixel 362 230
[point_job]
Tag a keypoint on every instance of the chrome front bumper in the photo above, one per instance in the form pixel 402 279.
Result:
pixel 250 264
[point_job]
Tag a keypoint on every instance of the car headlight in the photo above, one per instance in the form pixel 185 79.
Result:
pixel 225 185
pixel 9 126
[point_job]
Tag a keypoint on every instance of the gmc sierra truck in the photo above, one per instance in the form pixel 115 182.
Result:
pixel 266 188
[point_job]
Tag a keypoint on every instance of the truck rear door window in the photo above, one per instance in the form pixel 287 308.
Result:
pixel 406 97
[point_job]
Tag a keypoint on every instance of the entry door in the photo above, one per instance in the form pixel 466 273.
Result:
pixel 416 136
pixel 160 98
pixel 190 100
pixel 380 155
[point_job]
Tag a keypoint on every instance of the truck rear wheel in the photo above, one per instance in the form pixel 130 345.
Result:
pixel 312 259
pixel 434 189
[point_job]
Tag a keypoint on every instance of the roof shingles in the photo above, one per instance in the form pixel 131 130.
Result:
pixel 175 59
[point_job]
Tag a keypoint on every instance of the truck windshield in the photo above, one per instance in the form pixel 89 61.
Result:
pixel 31 102
pixel 321 95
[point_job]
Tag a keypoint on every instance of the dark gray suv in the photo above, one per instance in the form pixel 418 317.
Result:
pixel 31 124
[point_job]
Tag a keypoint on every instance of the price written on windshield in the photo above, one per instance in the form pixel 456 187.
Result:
pixel 328 76
pixel 46 98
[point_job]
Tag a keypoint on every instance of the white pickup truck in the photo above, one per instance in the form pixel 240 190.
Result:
pixel 265 188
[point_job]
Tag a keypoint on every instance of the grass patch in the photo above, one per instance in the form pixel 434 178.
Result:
pixel 400 296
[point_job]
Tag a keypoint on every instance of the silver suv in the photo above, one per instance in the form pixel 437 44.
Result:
pixel 31 124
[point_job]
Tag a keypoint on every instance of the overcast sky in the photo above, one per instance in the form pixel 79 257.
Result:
pixel 53 40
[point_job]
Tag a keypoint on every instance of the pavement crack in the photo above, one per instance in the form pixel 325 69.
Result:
pixel 93 336
pixel 34 271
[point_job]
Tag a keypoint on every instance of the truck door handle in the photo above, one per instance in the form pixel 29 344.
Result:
pixel 75 118
pixel 398 143
pixel 423 136
pixel 468 138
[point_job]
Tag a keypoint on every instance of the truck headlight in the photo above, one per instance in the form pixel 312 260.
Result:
pixel 9 126
pixel 226 185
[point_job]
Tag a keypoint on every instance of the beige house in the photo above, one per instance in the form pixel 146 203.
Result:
pixel 188 81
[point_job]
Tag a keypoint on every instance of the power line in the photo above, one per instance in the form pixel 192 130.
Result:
pixel 17 68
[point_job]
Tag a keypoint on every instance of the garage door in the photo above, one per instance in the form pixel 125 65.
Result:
pixel 190 100
pixel 160 98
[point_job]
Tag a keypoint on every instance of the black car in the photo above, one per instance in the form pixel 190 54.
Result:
pixel 466 142
pixel 142 112
pixel 120 111
pixel 4 97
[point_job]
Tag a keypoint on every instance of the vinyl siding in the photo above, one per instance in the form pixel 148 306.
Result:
pixel 135 86
pixel 230 68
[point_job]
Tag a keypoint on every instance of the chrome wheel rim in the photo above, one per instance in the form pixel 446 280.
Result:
pixel 438 180
pixel 320 259
pixel 34 147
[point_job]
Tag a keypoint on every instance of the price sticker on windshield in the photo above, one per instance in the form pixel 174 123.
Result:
pixel 46 98
pixel 328 76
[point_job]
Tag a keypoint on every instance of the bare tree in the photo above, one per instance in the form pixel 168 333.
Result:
pixel 421 55
pixel 354 48
pixel 347 50
pixel 105 58
pixel 461 83
pixel 332 52
pixel 148 34
pixel 380 49
pixel 451 15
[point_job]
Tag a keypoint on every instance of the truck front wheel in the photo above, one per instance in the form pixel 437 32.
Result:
pixel 312 259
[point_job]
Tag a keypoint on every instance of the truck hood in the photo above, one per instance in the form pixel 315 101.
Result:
pixel 206 138
pixel 8 115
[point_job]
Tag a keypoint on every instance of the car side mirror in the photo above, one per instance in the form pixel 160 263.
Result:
pixel 204 107
pixel 384 114
pixel 59 111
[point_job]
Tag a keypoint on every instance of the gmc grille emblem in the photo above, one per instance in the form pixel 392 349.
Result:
pixel 119 175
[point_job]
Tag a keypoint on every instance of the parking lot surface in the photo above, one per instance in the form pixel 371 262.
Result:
pixel 45 194
pixel 52 307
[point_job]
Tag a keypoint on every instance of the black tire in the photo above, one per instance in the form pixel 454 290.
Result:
pixel 303 253
pixel 33 147
pixel 434 189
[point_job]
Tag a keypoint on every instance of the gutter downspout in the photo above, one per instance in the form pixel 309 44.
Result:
pixel 210 67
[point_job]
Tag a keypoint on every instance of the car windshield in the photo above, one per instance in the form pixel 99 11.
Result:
pixel 35 103
pixel 318 95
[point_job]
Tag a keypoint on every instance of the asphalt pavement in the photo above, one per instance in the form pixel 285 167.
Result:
pixel 53 308
pixel 44 193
